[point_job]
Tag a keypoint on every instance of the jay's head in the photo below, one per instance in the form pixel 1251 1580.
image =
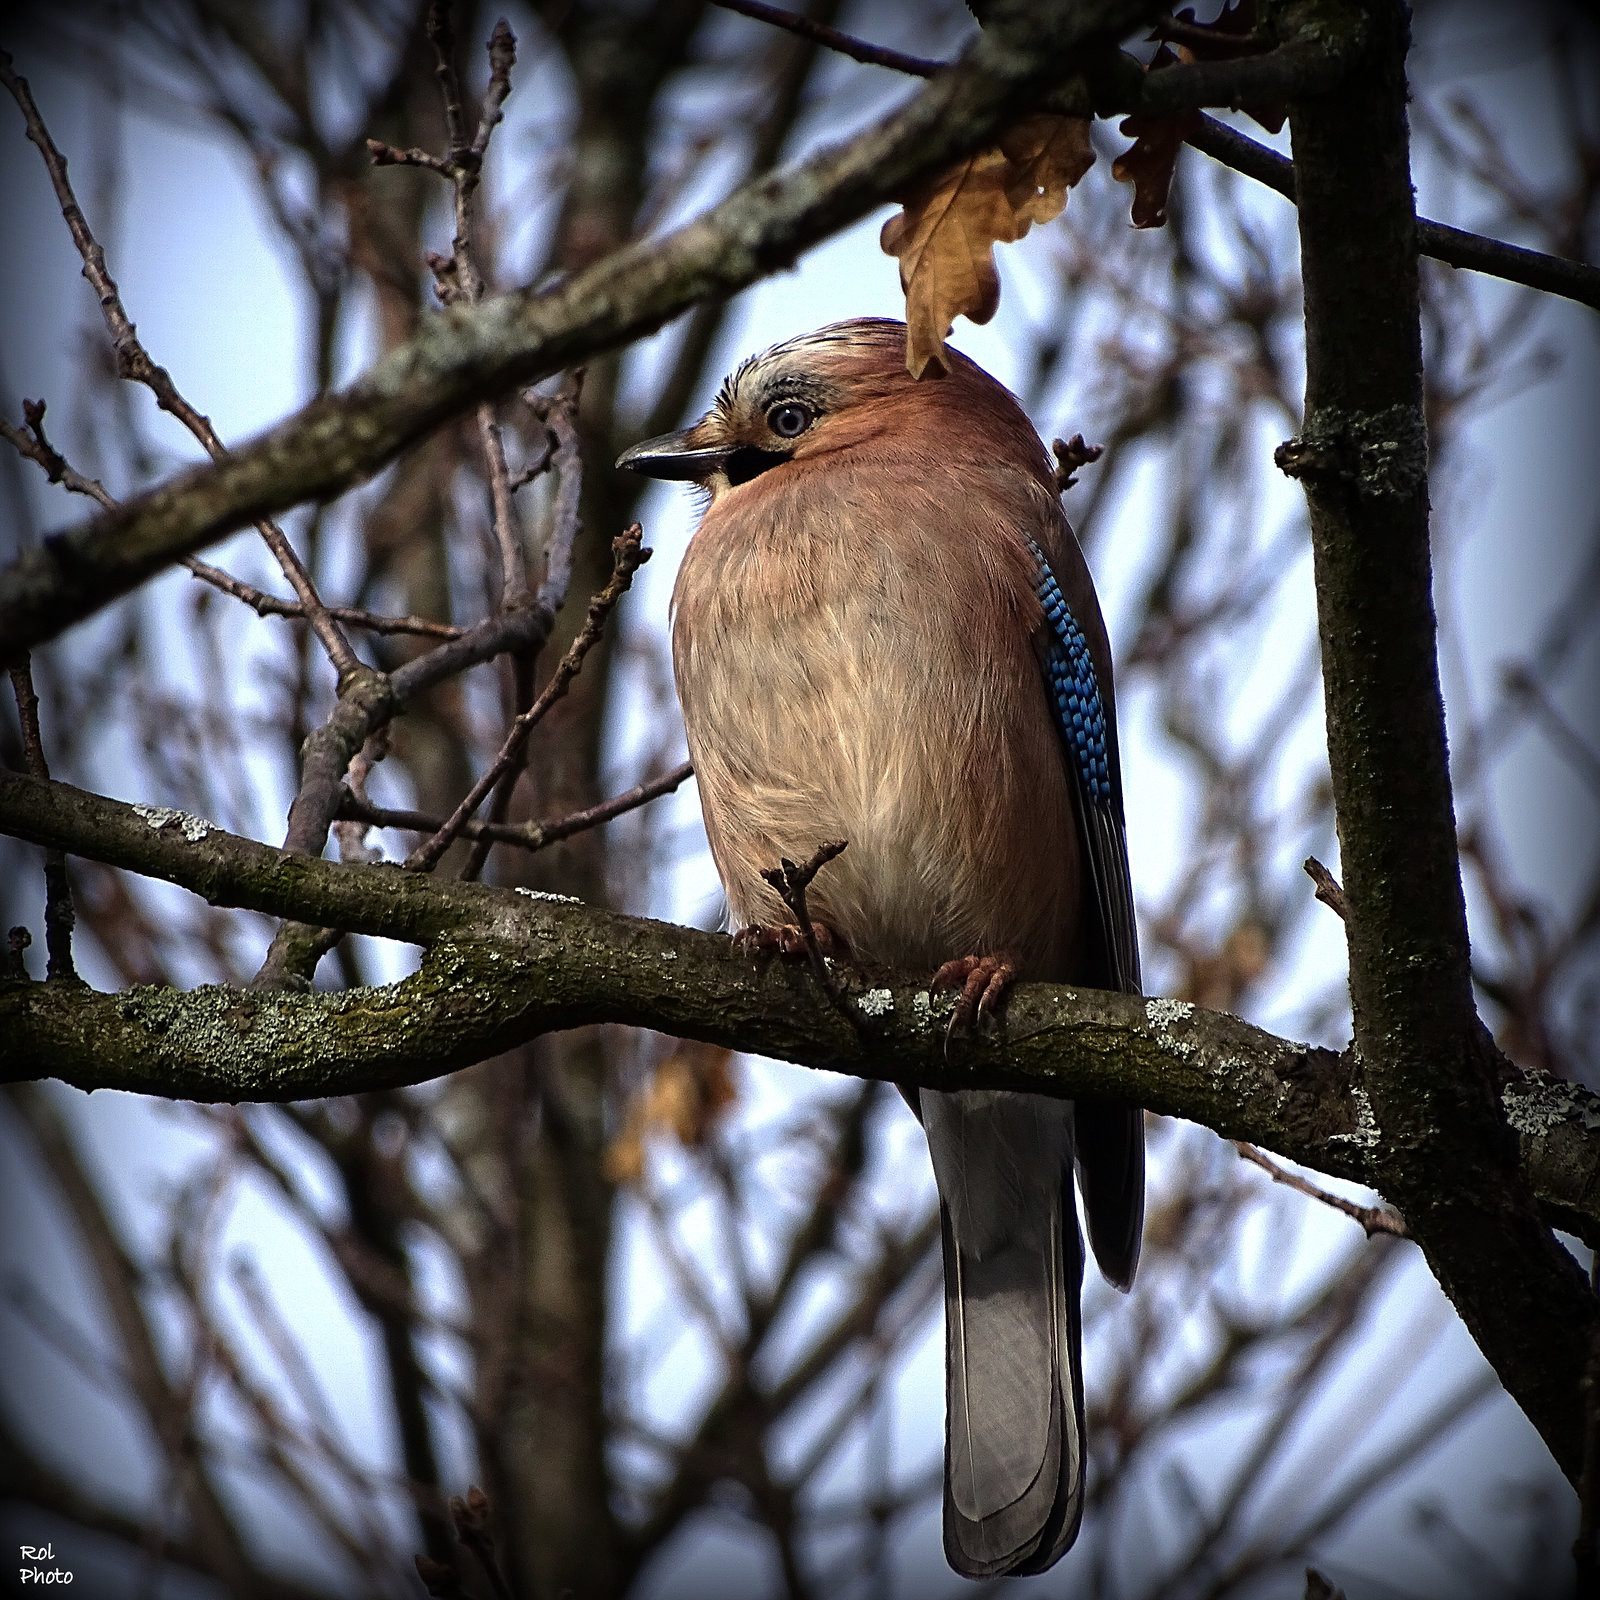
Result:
pixel 839 389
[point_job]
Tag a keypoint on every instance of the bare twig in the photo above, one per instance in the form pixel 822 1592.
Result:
pixel 1327 890
pixel 791 883
pixel 350 833
pixel 472 1517
pixel 1472 252
pixel 503 515
pixel 388 155
pixel 1071 454
pixel 1206 36
pixel 134 363
pixel 36 447
pixel 562 448
pixel 844 44
pixel 628 554
pixel 268 605
pixel 559 414
pixel 58 915
pixel 526 835
pixel 502 48
pixel 442 36
pixel 459 276
pixel 539 465
pixel 1373 1219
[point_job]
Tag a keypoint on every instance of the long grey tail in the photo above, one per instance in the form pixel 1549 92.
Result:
pixel 1013 1268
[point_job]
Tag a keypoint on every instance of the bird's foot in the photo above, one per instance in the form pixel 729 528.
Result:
pixel 788 940
pixel 985 981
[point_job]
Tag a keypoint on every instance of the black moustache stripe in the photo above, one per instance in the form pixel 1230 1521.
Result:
pixel 749 462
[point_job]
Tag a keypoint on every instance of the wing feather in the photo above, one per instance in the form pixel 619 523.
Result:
pixel 1110 1134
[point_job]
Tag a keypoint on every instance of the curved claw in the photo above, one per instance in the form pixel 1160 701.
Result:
pixel 786 940
pixel 985 981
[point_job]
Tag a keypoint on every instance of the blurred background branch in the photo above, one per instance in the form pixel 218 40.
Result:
pixel 675 1309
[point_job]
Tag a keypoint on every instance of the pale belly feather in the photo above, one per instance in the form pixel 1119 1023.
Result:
pixel 823 711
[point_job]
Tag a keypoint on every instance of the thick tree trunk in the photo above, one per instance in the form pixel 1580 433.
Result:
pixel 1432 1078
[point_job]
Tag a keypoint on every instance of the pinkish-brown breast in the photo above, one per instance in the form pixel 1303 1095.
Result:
pixel 855 659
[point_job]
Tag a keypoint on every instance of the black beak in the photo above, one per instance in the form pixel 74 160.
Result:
pixel 670 456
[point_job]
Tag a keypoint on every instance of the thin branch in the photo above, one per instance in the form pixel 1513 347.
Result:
pixel 871 55
pixel 1206 36
pixel 791 883
pixel 36 447
pixel 58 914
pixel 502 48
pixel 526 835
pixel 459 276
pixel 1471 252
pixel 628 554
pixel 1327 890
pixel 1373 1219
pixel 560 417
pixel 502 513
pixel 134 363
pixel 268 605
pixel 366 705
pixel 522 682
pixel 441 35
pixel 563 452
pixel 388 155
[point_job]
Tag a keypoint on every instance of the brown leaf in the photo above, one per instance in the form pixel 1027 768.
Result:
pixel 944 237
pixel 1149 162
pixel 687 1094
pixel 1048 155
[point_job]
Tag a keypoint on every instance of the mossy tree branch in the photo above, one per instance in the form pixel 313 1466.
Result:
pixel 503 967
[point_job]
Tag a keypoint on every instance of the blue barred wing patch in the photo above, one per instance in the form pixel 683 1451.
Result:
pixel 1080 712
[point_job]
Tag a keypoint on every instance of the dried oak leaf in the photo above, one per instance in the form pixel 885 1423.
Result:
pixel 687 1094
pixel 1149 162
pixel 944 237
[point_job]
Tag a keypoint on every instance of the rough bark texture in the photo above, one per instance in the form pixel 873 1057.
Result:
pixel 1429 1073
pixel 507 966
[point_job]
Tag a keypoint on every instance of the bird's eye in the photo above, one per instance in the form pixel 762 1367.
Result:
pixel 790 419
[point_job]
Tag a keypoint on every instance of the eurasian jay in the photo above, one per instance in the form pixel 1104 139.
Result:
pixel 884 631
